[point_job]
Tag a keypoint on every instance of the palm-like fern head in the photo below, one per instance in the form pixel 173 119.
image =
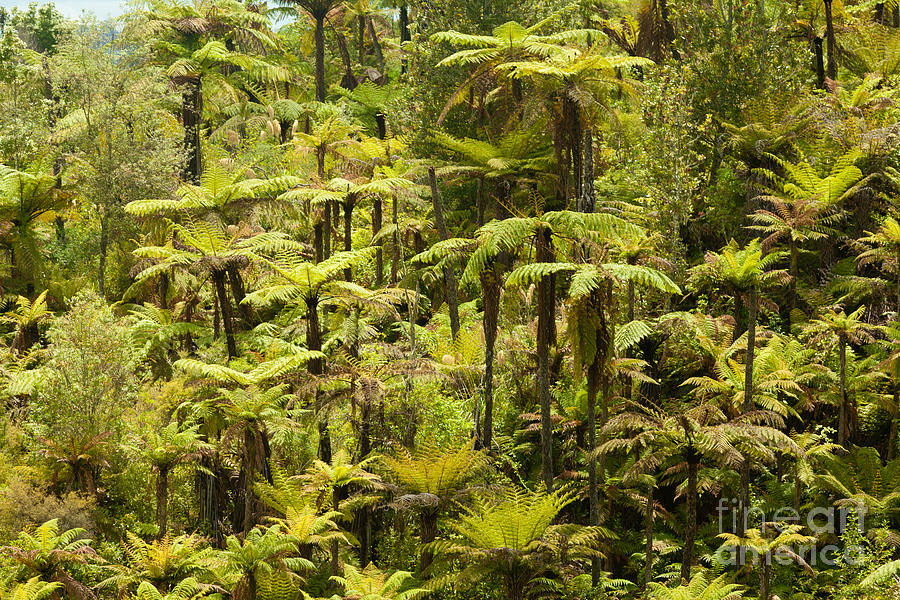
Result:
pixel 163 563
pixel 371 583
pixel 700 587
pixel 434 470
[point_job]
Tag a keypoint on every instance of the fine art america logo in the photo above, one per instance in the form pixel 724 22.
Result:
pixel 823 526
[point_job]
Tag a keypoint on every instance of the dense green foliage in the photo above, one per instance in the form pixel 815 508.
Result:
pixel 375 300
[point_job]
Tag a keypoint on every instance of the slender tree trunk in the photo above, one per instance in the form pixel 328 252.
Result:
pixel 819 62
pixel 395 239
pixel 348 233
pixel 361 37
pixel 764 568
pixel 379 254
pixel 832 45
pixel 744 499
pixel 490 288
pixel 348 81
pixel 191 117
pixel 376 46
pixel 843 429
pixel 648 538
pixel 335 547
pixel 792 289
pixel 587 200
pixel 326 231
pixel 669 30
pixel 218 277
pixel 428 523
pixel 404 34
pixel 162 290
pixel 317 367
pixel 546 313
pixel 320 56
pixel 318 242
pixel 104 249
pixel 162 500
pixel 892 434
pixel 690 531
pixel 449 275
pixel 237 291
pixel 593 387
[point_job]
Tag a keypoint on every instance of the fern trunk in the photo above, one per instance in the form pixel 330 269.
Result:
pixel 191 115
pixel 238 293
pixel 348 233
pixel 316 367
pixel 320 55
pixel 218 277
pixel 449 275
pixel 490 289
pixel 395 239
pixel 104 250
pixel 830 39
pixel 379 254
pixel 162 499
pixel 744 495
pixel 545 308
pixel 593 387
pixel 428 521
pixel 819 55
pixel 648 538
pixel 348 81
pixel 690 530
pixel 376 47
pixel 842 411
pixel 404 33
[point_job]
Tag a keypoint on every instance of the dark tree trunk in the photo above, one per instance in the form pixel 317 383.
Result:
pixel 449 275
pixel 348 233
pixel 361 37
pixel 395 239
pixel 316 367
pixel 490 288
pixel 404 33
pixel 832 45
pixel 594 373
pixel 162 290
pixel 320 56
pixel 379 254
pixel 208 496
pixel 428 521
pixel 892 434
pixel 104 248
pixel 819 62
pixel 669 30
pixel 546 314
pixel 218 277
pixel 690 530
pixel 348 81
pixel 792 286
pixel 648 538
pixel 237 291
pixel 318 242
pixel 376 47
pixel 587 200
pixel 191 118
pixel 744 496
pixel 327 224
pixel 162 500
pixel 842 414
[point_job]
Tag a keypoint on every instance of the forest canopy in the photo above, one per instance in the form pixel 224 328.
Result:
pixel 369 300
